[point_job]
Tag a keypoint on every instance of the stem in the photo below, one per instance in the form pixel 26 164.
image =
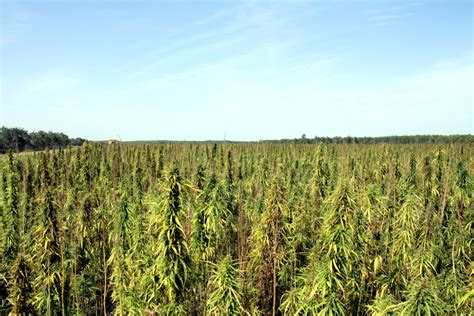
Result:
pixel 274 288
pixel 105 279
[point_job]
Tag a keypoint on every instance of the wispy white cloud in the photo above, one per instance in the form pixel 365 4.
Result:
pixel 394 8
pixel 388 17
pixel 189 36
pixel 391 14
pixel 253 26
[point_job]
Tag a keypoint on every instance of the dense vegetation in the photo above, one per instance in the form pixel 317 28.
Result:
pixel 407 139
pixel 238 229
pixel 396 140
pixel 18 139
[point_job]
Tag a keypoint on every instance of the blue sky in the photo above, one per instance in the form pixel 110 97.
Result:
pixel 249 70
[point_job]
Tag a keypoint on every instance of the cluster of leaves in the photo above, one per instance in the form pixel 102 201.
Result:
pixel 238 229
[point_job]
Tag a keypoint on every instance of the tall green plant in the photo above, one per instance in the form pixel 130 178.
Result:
pixel 171 268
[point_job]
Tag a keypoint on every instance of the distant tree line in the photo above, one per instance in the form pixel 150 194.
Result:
pixel 18 139
pixel 409 139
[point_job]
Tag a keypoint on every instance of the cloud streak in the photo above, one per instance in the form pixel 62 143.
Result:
pixel 390 15
pixel 235 28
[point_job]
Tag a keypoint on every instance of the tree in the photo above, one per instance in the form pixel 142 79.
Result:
pixel 15 139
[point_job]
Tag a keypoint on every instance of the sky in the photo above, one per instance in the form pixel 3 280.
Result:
pixel 237 70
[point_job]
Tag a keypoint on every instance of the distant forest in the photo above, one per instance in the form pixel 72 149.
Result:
pixel 18 139
pixel 409 139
